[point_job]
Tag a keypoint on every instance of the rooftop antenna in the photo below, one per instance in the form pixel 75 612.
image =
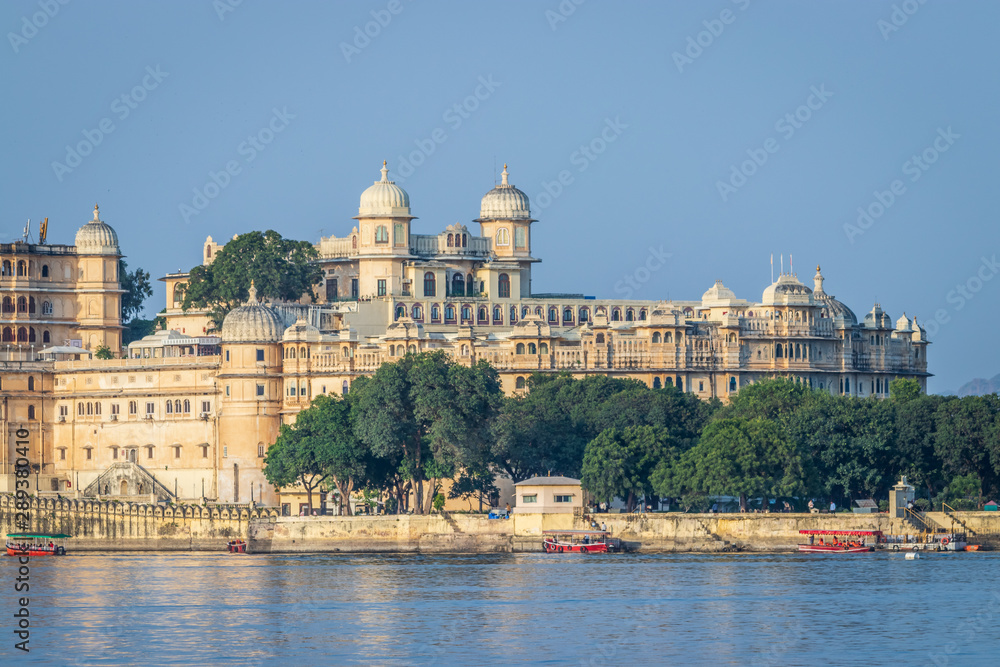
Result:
pixel 791 265
pixel 772 267
pixel 782 272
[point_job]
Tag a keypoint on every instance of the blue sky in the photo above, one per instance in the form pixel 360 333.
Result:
pixel 641 109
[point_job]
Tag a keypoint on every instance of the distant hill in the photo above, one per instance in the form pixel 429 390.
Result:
pixel 980 387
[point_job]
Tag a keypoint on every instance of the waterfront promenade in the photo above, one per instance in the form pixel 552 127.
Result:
pixel 110 526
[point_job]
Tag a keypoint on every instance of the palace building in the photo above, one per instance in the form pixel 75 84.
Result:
pixel 188 412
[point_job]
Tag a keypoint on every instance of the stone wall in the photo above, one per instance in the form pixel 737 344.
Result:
pixel 113 526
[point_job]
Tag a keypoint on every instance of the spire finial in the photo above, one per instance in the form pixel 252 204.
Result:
pixel 385 171
pixel 503 176
pixel 253 293
pixel 96 209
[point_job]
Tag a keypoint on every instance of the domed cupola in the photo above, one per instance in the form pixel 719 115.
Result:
pixel 384 199
pixel 97 238
pixel 252 322
pixel 505 202
pixel 834 308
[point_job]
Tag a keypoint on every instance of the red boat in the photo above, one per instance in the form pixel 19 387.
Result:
pixel 236 546
pixel 35 544
pixel 829 541
pixel 580 541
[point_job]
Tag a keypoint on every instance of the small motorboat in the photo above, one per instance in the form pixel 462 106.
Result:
pixel 237 546
pixel 840 541
pixel 580 541
pixel 36 544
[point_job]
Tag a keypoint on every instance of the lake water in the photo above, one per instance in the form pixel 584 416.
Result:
pixel 89 609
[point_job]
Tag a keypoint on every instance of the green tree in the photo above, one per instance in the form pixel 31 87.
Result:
pixel 748 458
pixel 137 289
pixel 966 438
pixel 430 413
pixel 104 352
pixel 279 268
pixel 318 447
pixel 618 463
pixel 903 390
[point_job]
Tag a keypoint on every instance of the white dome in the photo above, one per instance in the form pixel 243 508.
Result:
pixel 252 322
pixel 505 202
pixel 787 290
pixel 384 199
pixel 97 238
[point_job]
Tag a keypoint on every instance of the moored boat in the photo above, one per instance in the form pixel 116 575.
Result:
pixel 236 546
pixel 35 544
pixel 580 541
pixel 830 541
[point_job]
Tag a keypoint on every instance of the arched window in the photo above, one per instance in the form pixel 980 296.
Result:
pixel 458 285
pixel 600 338
pixel 90 409
pixel 31 335
pixel 584 315
pixel 170 408
pixel 430 285
pixel 45 337
pixel 642 315
pixel 177 406
pixel 553 315
pixel 451 240
pixel 46 308
pixel 31 304
pixel 400 311
pixel 133 407
pixel 532 349
pixel 524 311
pixel 31 412
pixel 669 381
pixel 482 315
pixel 412 349
pixel 543 348
pixel 497 315
pixel 435 313
pixel 22 304
pixel 8 305
pixel 187 406
pixel 22 335
pixel 503 286
pixel 465 240
pixel 513 314
pixel 21 270
pixel 798 351
pixel 6 268
pixel 449 313
pixel 354 242
pixel 519 383
pixel 503 237
pixel 344 388
pixel 31 383
pixel 656 336
pixel 417 312
pixel 470 286
pixel 616 315
pixel 520 348
pixel 381 234
pixel 567 316
pixel 732 384
pixel 629 315
pixel 669 337
pixel 465 350
pixel 45 270
pixel 777 351
pixel 290 353
pixel 466 313
pixel 79 409
pixel 656 383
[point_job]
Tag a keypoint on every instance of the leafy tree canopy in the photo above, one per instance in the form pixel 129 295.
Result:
pixel 279 268
pixel 137 289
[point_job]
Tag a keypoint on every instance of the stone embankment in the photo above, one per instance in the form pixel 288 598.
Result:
pixel 112 526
